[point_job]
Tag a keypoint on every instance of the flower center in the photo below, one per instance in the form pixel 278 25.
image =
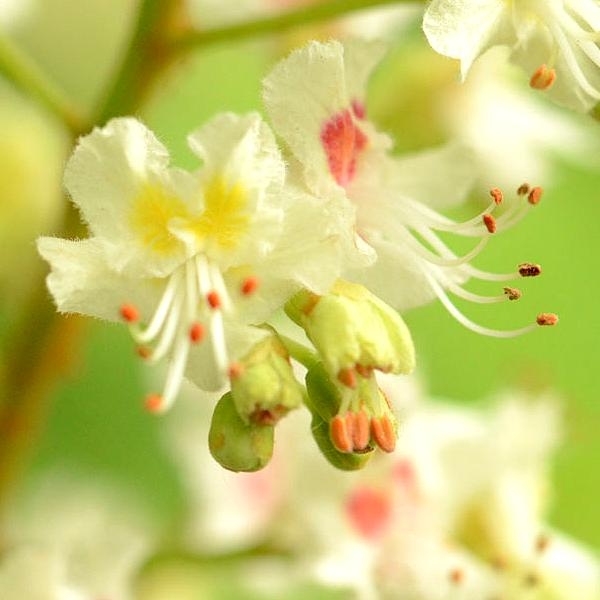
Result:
pixel 343 142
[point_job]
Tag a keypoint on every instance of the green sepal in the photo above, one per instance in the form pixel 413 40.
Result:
pixel 235 445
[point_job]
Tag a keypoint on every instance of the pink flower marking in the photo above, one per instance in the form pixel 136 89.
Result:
pixel 343 141
pixel 359 109
pixel 369 510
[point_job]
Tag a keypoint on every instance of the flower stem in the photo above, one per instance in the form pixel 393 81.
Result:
pixel 299 352
pixel 284 20
pixel 25 74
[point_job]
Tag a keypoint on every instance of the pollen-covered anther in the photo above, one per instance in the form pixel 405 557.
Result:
pixel 360 431
pixel 497 195
pixel 456 576
pixel 523 189
pixel 535 195
pixel 546 319
pixel 214 299
pixel 340 435
pixel 250 285
pixel 490 223
pixel 153 403
pixel 129 313
pixel 235 370
pixel 383 433
pixel 196 333
pixel 143 352
pixel 512 293
pixel 543 78
pixel 529 270
pixel 347 377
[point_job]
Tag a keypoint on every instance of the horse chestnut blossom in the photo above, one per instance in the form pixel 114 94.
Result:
pixel 555 41
pixel 190 260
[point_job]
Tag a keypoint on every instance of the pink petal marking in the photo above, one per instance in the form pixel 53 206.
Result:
pixel 343 141
pixel 369 510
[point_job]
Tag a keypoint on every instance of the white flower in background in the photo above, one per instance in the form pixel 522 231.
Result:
pixel 555 41
pixel 196 257
pixel 514 136
pixel 85 540
pixel 316 100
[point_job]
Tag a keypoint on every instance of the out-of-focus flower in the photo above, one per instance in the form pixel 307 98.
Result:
pixel 339 154
pixel 514 138
pixel 555 41
pixel 193 256
pixel 87 540
pixel 14 12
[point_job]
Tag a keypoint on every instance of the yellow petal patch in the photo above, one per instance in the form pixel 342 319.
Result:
pixel 224 219
pixel 152 211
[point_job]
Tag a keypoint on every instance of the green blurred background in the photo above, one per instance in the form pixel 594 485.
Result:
pixel 96 422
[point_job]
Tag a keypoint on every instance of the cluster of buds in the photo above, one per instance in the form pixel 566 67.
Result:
pixel 355 334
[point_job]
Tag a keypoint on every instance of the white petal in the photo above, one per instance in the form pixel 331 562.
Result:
pixel 439 178
pixel 360 59
pixel 301 94
pixel 82 281
pixel 464 29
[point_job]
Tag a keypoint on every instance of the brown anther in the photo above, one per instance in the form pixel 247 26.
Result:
pixel 384 434
pixel 196 332
pixel 535 195
pixel 129 313
pixel 490 223
pixel 456 576
pixel 339 434
pixel 235 370
pixel 360 431
pixel 263 416
pixel 512 293
pixel 543 78
pixel 213 299
pixel 143 352
pixel 250 285
pixel 347 377
pixel 546 319
pixel 529 270
pixel 497 195
pixel 153 403
pixel 541 543
pixel 363 371
pixel 523 189
pixel 312 301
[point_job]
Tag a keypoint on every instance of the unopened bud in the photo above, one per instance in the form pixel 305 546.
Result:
pixel 236 445
pixel 264 388
pixel 352 328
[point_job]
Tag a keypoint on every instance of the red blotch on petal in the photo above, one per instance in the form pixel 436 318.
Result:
pixel 369 510
pixel 343 142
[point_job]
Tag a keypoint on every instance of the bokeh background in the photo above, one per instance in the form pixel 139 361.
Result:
pixel 95 423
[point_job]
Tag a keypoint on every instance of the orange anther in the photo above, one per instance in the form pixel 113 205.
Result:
pixel 535 195
pixel 360 432
pixel 384 433
pixel 497 195
pixel 196 332
pixel 250 285
pixel 456 576
pixel 541 543
pixel 512 293
pixel 363 371
pixel 214 300
pixel 490 223
pixel 130 313
pixel 153 403
pixel 339 434
pixel 143 351
pixel 543 78
pixel 235 370
pixel 347 377
pixel 546 319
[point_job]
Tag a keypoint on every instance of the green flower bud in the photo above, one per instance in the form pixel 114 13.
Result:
pixel 352 329
pixel 263 385
pixel 236 445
